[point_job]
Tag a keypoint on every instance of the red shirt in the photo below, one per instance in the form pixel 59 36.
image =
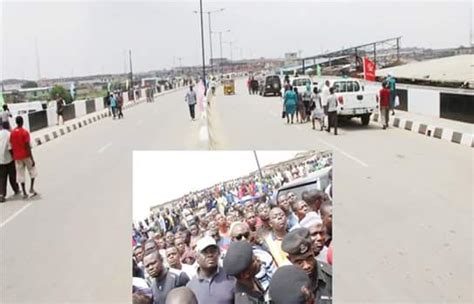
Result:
pixel 384 98
pixel 18 138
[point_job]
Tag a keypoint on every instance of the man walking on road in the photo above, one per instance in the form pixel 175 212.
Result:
pixel 20 142
pixel 7 165
pixel 332 105
pixel 60 109
pixel 113 105
pixel 191 100
pixel 120 104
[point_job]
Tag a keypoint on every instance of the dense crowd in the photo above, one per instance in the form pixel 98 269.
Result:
pixel 240 241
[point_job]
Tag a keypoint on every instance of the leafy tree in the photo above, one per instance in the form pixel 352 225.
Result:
pixel 29 84
pixel 59 90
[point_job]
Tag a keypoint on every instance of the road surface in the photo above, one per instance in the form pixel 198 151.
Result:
pixel 403 209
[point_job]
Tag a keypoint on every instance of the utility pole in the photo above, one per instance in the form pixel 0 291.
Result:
pixel 202 47
pixel 131 70
pixel 258 165
pixel 210 42
pixel 125 62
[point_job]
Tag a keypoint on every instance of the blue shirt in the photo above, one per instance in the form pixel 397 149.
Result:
pixel 219 289
pixel 113 102
pixel 292 220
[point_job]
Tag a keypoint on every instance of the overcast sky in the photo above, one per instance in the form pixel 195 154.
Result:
pixel 89 37
pixel 160 176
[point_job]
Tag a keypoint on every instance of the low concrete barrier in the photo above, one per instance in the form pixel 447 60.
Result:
pixel 80 108
pixel 37 120
pixel 69 112
pixel 90 106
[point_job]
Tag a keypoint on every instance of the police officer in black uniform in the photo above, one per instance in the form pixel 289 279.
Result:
pixel 297 244
pixel 241 263
pixel 292 285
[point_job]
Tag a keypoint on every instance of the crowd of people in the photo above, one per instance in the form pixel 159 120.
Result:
pixel 322 105
pixel 317 105
pixel 240 241
pixel 114 102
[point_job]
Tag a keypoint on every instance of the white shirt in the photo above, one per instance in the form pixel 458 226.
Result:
pixel 325 94
pixel 323 255
pixel 5 154
pixel 189 270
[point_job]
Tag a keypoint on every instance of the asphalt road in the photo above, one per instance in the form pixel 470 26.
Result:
pixel 403 207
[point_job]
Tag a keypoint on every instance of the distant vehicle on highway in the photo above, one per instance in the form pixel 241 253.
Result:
pixel 272 86
pixel 354 101
pixel 318 180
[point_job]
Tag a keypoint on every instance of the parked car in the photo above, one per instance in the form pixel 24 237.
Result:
pixel 301 82
pixel 318 180
pixel 354 101
pixel 272 85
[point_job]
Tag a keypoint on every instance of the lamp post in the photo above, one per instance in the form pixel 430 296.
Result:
pixel 220 43
pixel 210 31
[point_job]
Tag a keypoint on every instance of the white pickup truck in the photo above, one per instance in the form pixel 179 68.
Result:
pixel 354 101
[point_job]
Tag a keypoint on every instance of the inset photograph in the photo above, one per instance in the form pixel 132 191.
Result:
pixel 232 227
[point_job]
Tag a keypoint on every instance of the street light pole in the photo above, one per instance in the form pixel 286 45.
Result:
pixel 258 165
pixel 220 44
pixel 210 42
pixel 202 47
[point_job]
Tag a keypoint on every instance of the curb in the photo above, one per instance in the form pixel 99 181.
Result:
pixel 99 115
pixel 465 139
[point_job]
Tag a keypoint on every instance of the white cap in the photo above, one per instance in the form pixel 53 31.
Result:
pixel 205 242
pixel 311 218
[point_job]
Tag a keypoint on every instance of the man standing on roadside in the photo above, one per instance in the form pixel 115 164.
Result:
pixel 324 100
pixel 191 100
pixel 7 165
pixel 385 104
pixel 393 90
pixel 6 115
pixel 332 105
pixel 21 148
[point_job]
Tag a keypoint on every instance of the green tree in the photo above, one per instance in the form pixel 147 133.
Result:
pixel 59 90
pixel 29 84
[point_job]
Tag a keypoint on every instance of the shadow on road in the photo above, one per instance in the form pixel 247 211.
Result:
pixel 355 124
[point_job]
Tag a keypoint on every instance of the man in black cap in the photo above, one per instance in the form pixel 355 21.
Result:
pixel 241 263
pixel 163 280
pixel 290 284
pixel 298 245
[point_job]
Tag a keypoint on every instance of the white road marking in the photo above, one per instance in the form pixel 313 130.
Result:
pixel 101 150
pixel 14 215
pixel 344 153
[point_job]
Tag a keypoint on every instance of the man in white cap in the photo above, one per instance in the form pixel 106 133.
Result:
pixel 211 284
pixel 313 222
